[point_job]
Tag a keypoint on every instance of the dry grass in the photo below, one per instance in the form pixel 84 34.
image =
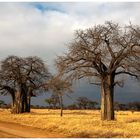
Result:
pixel 79 123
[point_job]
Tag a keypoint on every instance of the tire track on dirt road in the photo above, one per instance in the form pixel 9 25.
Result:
pixel 13 130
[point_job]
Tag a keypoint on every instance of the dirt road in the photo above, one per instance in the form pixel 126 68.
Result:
pixel 13 130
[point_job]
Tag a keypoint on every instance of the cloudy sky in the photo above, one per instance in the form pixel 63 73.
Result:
pixel 44 29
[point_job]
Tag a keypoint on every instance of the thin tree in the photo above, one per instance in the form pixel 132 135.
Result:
pixel 59 86
pixel 101 54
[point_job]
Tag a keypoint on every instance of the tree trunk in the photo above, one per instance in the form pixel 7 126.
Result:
pixel 13 101
pixel 103 103
pixel 27 98
pixel 28 103
pixel 61 105
pixel 22 99
pixel 107 93
pixel 18 104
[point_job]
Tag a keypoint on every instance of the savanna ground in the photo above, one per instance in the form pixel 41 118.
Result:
pixel 74 123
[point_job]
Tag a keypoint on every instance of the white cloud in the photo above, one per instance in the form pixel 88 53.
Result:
pixel 26 30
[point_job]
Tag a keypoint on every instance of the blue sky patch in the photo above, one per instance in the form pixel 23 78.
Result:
pixel 47 6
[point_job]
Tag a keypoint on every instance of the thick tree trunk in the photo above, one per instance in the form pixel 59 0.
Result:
pixel 25 103
pixel 13 101
pixel 103 103
pixel 28 103
pixel 18 105
pixel 107 93
pixel 27 97
pixel 21 102
pixel 61 105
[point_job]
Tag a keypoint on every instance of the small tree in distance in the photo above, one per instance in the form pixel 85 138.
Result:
pixel 85 103
pixel 101 54
pixel 53 101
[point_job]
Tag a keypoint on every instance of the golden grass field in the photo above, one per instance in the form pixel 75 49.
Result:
pixel 78 123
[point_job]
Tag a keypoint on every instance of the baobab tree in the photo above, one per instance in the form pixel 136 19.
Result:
pixel 101 54
pixel 22 78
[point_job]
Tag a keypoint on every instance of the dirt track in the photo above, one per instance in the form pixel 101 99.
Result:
pixel 13 130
